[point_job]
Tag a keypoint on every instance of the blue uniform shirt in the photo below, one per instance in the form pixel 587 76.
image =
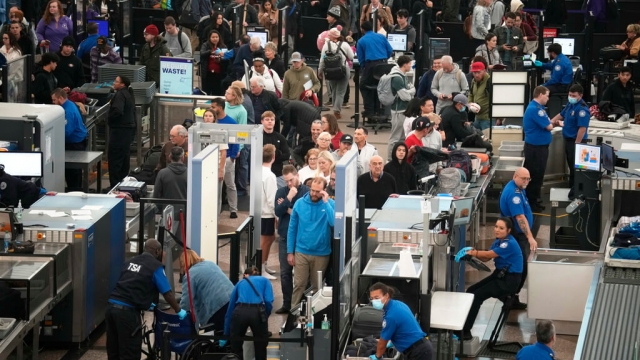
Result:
pixel 535 122
pixel 244 294
pixel 74 129
pixel 513 202
pixel 509 254
pixel 561 71
pixel 537 351
pixel 575 116
pixel 233 148
pixel 400 326
pixel 373 46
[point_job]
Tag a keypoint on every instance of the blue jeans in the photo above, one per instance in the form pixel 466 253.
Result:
pixel 286 274
pixel 482 124
pixel 242 170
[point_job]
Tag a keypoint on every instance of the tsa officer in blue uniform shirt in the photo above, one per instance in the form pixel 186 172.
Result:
pixel 399 327
pixel 561 69
pixel 541 350
pixel 515 205
pixel 250 306
pixel 505 280
pixel 537 137
pixel 576 123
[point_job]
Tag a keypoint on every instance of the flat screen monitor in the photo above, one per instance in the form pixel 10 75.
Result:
pixel 398 41
pixel 608 158
pixel 587 157
pixel 27 164
pixel 103 26
pixel 568 45
pixel 464 207
pixel 263 35
pixel 439 47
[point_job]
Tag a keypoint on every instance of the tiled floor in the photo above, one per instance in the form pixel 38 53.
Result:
pixel 519 327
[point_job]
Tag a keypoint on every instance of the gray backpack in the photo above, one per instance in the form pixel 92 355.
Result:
pixel 449 181
pixel 385 93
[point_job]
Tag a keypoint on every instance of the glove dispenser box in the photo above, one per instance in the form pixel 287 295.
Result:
pixel 30 279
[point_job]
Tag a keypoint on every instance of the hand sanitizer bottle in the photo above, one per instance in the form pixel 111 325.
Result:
pixel 325 323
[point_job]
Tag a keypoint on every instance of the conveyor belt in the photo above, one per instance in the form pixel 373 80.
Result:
pixel 614 324
pixel 615 275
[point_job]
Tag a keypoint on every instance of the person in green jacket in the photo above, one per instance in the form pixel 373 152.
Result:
pixel 479 94
pixel 154 47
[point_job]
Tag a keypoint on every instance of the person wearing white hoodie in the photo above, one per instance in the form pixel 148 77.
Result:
pixel 268 216
pixel 447 81
pixel 404 91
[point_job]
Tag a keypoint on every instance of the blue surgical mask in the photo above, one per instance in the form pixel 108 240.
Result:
pixel 573 100
pixel 463 109
pixel 377 304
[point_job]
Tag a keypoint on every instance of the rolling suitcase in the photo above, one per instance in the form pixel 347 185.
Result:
pixel 367 321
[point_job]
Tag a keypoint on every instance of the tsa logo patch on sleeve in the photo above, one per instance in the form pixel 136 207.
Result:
pixel 503 245
pixel 384 324
pixel 516 200
pixel 540 112
pixel 582 113
pixel 557 68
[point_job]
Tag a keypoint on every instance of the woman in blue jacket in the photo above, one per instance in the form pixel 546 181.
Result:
pixel 210 287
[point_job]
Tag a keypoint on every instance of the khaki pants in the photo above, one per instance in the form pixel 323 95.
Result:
pixel 305 271
pixel 193 37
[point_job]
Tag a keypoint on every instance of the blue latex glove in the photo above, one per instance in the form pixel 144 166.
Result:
pixel 152 306
pixel 222 343
pixel 374 357
pixel 389 344
pixel 182 314
pixel 538 63
pixel 462 253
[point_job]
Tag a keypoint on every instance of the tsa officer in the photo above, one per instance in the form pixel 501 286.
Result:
pixel 561 69
pixel 537 137
pixel 399 327
pixel 505 280
pixel 541 350
pixel 250 306
pixel 140 281
pixel 576 122
pixel 514 205
pixel 13 190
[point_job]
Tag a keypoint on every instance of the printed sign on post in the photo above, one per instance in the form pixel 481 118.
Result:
pixel 176 76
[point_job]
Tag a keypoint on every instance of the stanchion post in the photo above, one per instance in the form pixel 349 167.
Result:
pixel 234 261
pixel 335 301
pixel 364 257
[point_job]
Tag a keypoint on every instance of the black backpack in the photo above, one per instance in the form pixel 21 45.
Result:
pixel 334 67
pixel 147 172
pixel 460 159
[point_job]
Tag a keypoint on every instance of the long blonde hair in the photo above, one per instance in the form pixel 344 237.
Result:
pixel 192 258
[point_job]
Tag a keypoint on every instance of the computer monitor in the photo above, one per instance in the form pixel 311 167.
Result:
pixel 17 163
pixel 464 208
pixel 397 41
pixel 439 47
pixel 568 45
pixel 608 158
pixel 263 35
pixel 587 157
pixel 103 26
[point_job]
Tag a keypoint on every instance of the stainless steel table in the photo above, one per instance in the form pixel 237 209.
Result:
pixel 84 160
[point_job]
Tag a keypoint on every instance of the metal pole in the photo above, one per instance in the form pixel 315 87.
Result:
pixel 335 301
pixel 143 202
pixel 310 344
pixel 234 261
pixel 356 81
pixel 587 57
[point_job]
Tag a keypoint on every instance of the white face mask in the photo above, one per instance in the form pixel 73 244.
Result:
pixel 104 55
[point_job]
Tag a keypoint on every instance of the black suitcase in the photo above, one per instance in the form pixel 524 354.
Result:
pixel 367 321
pixel 611 53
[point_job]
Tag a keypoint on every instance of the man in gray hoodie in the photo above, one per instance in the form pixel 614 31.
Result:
pixel 171 182
pixel 404 92
pixel 448 80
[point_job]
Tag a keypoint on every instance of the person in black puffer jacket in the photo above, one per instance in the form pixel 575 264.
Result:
pixel 401 170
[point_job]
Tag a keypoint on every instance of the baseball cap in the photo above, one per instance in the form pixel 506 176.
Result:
pixel 151 30
pixel 477 66
pixel 295 57
pixel 460 98
pixel 346 139
pixel 423 123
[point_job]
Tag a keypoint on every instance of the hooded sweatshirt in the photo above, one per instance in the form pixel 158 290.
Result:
pixel 402 172
pixel 150 58
pixel 69 72
pixel 447 84
pixel 310 227
pixel 399 81
pixel 294 81
pixel 45 82
pixel 171 183
pixel 479 94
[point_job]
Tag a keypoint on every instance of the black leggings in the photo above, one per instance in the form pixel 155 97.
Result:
pixel 491 287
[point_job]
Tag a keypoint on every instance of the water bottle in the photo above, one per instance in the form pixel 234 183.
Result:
pixel 19 210
pixel 7 240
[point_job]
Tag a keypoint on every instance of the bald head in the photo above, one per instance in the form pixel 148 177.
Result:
pixel 152 246
pixel 375 164
pixel 521 177
pixel 178 135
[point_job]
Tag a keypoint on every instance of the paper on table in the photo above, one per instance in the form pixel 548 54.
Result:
pixel 629 146
pixel 82 217
pixel 308 85
pixel 81 212
pixel 58 214
pixel 91 207
pixel 41 212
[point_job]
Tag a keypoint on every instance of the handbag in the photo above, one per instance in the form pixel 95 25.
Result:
pixel 263 309
pixel 530 47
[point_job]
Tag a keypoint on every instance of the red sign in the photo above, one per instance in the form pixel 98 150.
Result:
pixel 549 32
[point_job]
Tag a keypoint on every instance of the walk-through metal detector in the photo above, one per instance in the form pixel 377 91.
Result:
pixel 202 192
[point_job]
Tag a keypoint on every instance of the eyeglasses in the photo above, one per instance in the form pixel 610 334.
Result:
pixel 525 178
pixel 322 139
pixel 313 159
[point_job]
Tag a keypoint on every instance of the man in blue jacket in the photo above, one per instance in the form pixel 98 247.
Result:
pixel 75 135
pixel 87 44
pixel 561 69
pixel 309 237
pixel 373 49
pixel 286 197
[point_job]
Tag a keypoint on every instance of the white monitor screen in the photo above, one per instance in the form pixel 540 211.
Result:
pixel 587 157
pixel 263 35
pixel 568 45
pixel 398 42
pixel 28 164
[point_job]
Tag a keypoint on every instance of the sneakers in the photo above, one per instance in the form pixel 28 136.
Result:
pixel 328 102
pixel 264 266
pixel 267 275
pixel 346 106
pixel 337 115
pixel 233 215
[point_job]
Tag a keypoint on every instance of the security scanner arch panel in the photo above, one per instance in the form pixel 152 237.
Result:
pixel 509 77
pixel 509 94
pixel 345 200
pixel 507 111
